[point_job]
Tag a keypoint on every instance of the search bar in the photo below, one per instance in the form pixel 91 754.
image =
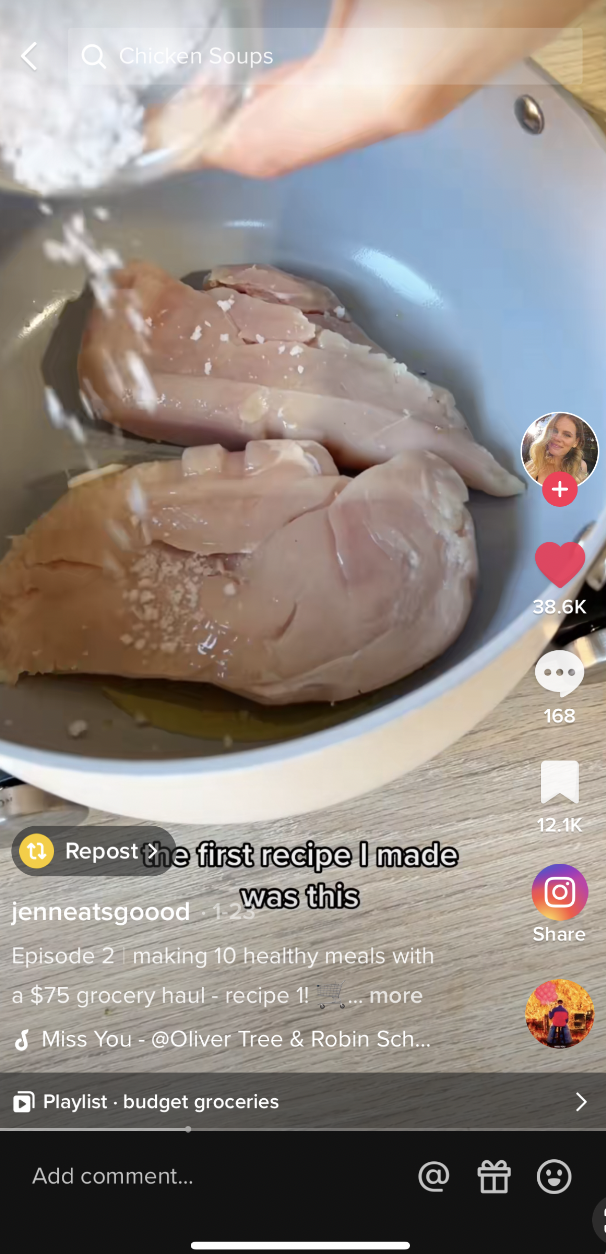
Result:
pixel 300 1245
pixel 136 57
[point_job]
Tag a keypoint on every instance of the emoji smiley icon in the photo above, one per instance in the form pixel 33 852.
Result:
pixel 554 1176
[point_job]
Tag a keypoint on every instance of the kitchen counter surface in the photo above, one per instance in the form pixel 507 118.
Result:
pixel 561 60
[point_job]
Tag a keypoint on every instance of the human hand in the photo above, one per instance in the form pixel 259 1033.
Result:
pixel 384 67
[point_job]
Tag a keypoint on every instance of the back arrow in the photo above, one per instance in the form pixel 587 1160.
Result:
pixel 24 56
pixel 583 1101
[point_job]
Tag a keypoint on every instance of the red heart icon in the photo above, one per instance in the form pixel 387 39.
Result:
pixel 560 562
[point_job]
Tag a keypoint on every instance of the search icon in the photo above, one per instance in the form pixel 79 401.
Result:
pixel 98 60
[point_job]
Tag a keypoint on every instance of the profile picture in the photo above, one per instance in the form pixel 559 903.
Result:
pixel 559 1014
pixel 560 443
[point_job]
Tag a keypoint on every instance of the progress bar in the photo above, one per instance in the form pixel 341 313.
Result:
pixel 300 1245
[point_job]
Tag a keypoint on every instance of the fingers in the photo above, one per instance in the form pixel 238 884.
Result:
pixel 365 83
pixel 308 117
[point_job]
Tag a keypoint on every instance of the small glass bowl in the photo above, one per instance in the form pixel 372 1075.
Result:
pixel 181 121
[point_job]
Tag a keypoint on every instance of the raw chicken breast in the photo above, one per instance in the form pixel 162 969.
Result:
pixel 264 572
pixel 259 355
pixel 276 286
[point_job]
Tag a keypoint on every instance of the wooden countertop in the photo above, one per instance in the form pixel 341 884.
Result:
pixel 481 796
pixel 561 60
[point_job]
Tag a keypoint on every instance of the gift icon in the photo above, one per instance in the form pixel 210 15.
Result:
pixel 494 1177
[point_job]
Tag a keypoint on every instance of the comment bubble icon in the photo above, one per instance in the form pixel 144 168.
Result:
pixel 559 671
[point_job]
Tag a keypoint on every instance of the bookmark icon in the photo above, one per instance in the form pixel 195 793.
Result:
pixel 559 779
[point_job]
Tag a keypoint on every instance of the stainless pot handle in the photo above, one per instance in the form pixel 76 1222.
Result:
pixel 590 648
pixel 592 652
pixel 21 804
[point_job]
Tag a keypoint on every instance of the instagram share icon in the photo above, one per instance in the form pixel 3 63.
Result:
pixel 560 892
